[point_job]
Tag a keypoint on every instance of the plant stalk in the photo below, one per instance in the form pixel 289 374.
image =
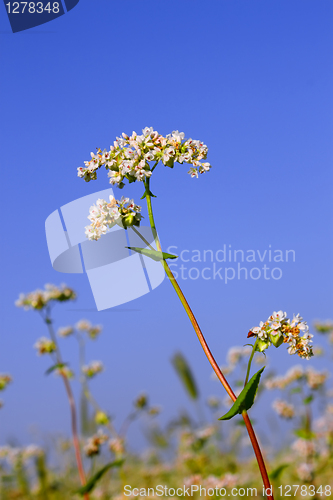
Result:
pixel 84 383
pixel 250 362
pixel 204 345
pixel 72 406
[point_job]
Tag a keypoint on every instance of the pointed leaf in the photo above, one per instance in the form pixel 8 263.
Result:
pixel 149 194
pixel 308 399
pixel 305 434
pixel 153 254
pixel 246 398
pixel 54 367
pixel 87 488
pixel 276 473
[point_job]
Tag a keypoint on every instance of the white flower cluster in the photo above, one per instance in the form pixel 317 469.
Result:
pixel 323 425
pixel 305 471
pixel 129 156
pixel 117 446
pixel 45 346
pixel 294 374
pixel 279 329
pixel 227 481
pixel 94 443
pixel 40 298
pixel 323 326
pixel 304 448
pixel 237 353
pixel 284 409
pixel 93 368
pixel 313 378
pixel 81 326
pixel 104 215
pixel 13 455
pixel 65 331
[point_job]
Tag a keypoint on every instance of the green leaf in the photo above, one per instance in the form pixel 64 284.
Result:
pixel 87 488
pixel 153 254
pixel 295 390
pixel 54 367
pixel 246 398
pixel 185 374
pixel 276 473
pixel 149 193
pixel 308 399
pixel 305 434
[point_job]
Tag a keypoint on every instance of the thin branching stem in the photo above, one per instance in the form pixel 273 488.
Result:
pixel 254 347
pixel 206 349
pixel 72 406
pixel 85 386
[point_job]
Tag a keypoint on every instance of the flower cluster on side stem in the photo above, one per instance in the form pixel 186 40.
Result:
pixel 105 215
pixel 278 329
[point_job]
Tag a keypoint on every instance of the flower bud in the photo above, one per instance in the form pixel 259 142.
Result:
pixel 131 219
pixel 154 410
pixel 128 220
pixel 4 381
pixel 141 402
pixel 262 345
pixel 276 340
pixel 101 418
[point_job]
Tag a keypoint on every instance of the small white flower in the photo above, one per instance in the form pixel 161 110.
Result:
pixel 303 326
pixel 193 172
pixel 93 368
pixel 177 136
pixel 65 331
pixel 279 316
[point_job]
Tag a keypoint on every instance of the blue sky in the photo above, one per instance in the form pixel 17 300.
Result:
pixel 253 80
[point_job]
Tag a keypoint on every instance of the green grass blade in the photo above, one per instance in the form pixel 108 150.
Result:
pixel 87 488
pixel 185 374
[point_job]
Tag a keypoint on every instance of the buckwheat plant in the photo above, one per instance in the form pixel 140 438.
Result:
pixel 42 302
pixel 84 331
pixel 134 159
